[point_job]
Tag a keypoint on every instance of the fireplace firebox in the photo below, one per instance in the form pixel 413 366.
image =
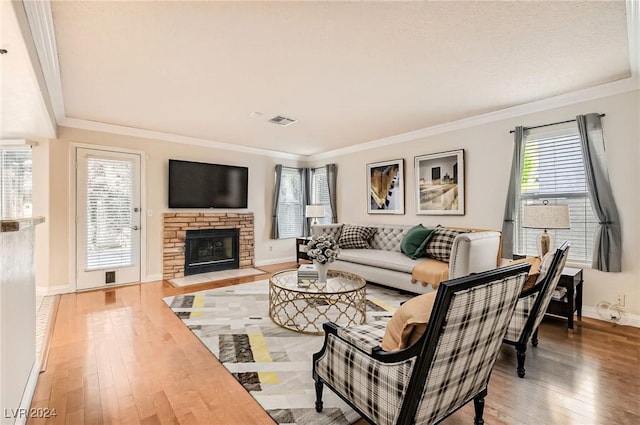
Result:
pixel 211 250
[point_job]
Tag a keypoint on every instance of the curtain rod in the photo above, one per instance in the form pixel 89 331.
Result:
pixel 553 123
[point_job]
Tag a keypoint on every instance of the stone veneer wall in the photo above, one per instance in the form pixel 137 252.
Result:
pixel 175 226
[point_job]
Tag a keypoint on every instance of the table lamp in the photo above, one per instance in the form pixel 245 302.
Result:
pixel 545 216
pixel 315 212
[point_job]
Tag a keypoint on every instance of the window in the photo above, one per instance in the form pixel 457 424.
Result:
pixel 290 205
pixel 553 171
pixel 320 193
pixel 15 183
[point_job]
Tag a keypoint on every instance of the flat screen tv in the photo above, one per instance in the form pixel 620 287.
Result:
pixel 201 185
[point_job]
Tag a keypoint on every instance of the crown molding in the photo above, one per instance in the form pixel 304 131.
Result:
pixel 40 20
pixel 174 138
pixel 597 92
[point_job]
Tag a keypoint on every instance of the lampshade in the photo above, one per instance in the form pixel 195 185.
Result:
pixel 314 211
pixel 546 216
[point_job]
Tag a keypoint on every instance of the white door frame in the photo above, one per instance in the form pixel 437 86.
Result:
pixel 73 147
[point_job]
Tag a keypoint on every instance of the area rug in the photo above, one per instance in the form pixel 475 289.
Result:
pixel 272 363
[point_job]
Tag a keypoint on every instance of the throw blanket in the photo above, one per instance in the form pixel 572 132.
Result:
pixel 431 272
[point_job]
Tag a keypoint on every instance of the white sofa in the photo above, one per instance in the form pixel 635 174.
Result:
pixel 385 264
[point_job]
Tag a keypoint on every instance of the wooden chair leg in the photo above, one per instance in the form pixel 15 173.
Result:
pixel 520 355
pixel 478 404
pixel 534 338
pixel 319 387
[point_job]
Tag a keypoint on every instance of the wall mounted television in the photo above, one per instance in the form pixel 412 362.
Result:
pixel 202 185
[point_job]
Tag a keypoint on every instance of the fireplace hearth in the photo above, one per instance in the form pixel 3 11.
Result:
pixel 211 250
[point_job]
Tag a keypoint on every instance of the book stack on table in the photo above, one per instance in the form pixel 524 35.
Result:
pixel 307 273
pixel 559 293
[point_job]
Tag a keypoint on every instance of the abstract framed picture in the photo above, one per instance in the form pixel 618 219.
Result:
pixel 440 183
pixel 385 187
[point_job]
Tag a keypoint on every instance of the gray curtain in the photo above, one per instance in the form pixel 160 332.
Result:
pixel 332 181
pixel 275 234
pixel 305 174
pixel 607 248
pixel 511 206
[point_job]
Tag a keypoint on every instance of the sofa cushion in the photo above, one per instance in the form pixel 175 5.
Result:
pixel 390 260
pixel 408 323
pixel 430 271
pixel 355 237
pixel 415 241
pixel 439 246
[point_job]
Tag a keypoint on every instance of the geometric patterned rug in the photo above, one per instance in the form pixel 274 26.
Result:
pixel 272 363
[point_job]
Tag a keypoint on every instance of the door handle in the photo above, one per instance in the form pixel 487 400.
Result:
pixel 135 228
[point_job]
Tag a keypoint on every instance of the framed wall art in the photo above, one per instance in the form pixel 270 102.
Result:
pixel 440 183
pixel 385 187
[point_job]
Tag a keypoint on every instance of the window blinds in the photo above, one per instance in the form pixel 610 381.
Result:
pixel 109 213
pixel 321 193
pixel 553 170
pixel 290 208
pixel 16 183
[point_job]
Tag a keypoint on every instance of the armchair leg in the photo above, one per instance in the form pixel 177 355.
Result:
pixel 319 387
pixel 478 404
pixel 534 338
pixel 520 354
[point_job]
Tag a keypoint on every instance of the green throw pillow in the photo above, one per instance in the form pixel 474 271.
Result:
pixel 415 241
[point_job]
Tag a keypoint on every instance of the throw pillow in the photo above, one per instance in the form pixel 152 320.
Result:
pixel 439 246
pixel 408 323
pixel 355 237
pixel 534 271
pixel 415 241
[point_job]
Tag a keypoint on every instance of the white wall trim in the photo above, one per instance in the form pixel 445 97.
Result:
pixel 604 90
pixel 174 138
pixel 46 291
pixel 628 319
pixel 40 20
pixel 27 395
pixel 633 30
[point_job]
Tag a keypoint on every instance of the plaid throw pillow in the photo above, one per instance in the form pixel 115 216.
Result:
pixel 439 247
pixel 355 237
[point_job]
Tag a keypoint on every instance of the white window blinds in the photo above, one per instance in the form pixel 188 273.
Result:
pixel 16 183
pixel 553 171
pixel 109 213
pixel 320 192
pixel 290 208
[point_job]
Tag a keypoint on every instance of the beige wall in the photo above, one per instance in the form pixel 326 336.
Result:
pixel 261 176
pixel 488 149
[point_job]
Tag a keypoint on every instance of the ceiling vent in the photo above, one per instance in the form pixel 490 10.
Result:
pixel 280 120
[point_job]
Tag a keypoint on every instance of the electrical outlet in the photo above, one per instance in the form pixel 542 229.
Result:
pixel 270 248
pixel 620 299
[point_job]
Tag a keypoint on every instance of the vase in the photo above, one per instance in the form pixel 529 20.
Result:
pixel 322 268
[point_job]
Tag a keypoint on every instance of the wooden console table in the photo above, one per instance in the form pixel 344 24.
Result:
pixel 572 301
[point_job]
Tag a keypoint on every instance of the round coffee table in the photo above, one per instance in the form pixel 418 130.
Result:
pixel 304 306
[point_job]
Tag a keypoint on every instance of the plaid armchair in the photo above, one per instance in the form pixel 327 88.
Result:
pixel 446 368
pixel 533 303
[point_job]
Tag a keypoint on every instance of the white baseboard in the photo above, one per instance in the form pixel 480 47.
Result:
pixel 628 319
pixel 27 395
pixel 274 261
pixel 45 291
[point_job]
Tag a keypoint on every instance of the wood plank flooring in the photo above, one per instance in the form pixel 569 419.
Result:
pixel 120 356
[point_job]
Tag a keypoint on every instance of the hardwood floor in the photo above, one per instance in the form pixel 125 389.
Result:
pixel 120 356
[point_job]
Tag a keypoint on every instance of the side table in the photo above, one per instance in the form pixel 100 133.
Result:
pixel 301 249
pixel 571 279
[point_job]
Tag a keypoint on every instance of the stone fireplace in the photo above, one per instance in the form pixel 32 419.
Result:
pixel 215 252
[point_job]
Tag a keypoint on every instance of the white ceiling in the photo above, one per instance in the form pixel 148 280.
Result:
pixel 349 72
